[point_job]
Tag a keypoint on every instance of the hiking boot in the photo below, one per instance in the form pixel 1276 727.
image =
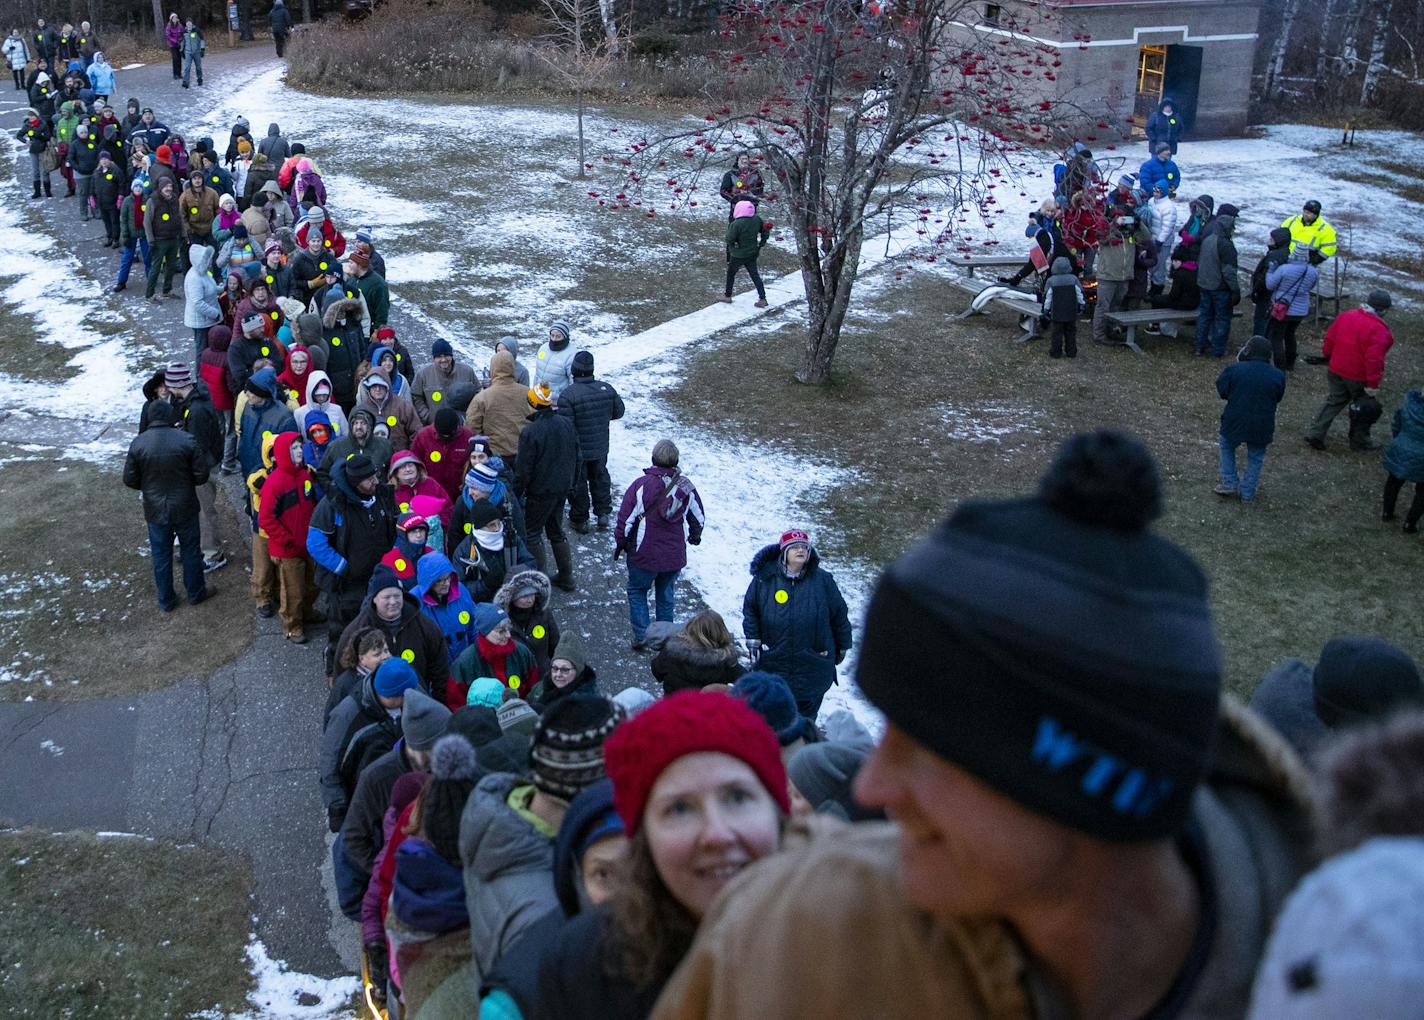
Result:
pixel 206 595
pixel 638 645
pixel 1224 490
pixel 582 527
pixel 564 560
pixel 1313 443
pixel 37 190
pixel 153 300
pixel 726 299
pixel 759 303
pixel 1364 445
pixel 602 522
pixel 116 288
pixel 49 189
pixel 267 610
pixel 216 563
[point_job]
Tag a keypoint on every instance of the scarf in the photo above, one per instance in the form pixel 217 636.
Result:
pixel 497 656
pixel 490 541
pixel 409 549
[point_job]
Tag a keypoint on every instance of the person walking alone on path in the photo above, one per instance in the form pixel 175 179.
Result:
pixel 1404 460
pixel 1252 389
pixel 280 19
pixel 166 465
pixel 746 236
pixel 591 404
pixel 650 529
pixel 1355 347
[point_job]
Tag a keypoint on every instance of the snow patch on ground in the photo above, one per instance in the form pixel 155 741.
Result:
pixel 418 267
pixel 986 423
pixel 284 994
pixel 51 747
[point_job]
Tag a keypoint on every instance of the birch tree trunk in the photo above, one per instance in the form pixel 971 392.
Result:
pixel 1377 50
pixel 1328 28
pixel 1278 50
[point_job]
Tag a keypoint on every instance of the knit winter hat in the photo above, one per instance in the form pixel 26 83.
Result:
pixel 570 648
pixel 316 215
pixel 1379 300
pixel 441 348
pixel 394 676
pixel 515 716
pixel 423 720
pixel 1227 209
pixel 360 467
pixel 1055 648
pixel 793 537
pixel 1347 942
pixel 382 577
pixel 163 152
pixel 177 375
pixel 743 208
pixel 1362 678
pixel 486 691
pixel 685 723
pixel 541 396
pixel 360 257
pixel 363 234
pixel 488 616
pixel 771 698
pixel 482 513
pixel 567 753
pixel 244 146
pixel 583 365
pixel 447 420
pixel 400 460
pixel 482 477
pixel 824 773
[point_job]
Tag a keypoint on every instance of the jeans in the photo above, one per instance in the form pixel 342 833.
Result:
pixel 1158 275
pixel 1255 457
pixel 200 341
pixel 351 881
pixel 229 443
pixel 193 62
pixel 160 545
pixel 591 482
pixel 1392 486
pixel 1342 391
pixel 1110 297
pixel 165 256
pixel 85 183
pixel 751 265
pixel 37 167
pixel 1213 321
pixel 1282 335
pixel 126 259
pixel 639 581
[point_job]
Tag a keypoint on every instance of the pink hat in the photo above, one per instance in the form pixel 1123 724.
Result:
pixel 743 208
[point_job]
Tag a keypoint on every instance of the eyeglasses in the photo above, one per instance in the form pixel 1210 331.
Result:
pixel 561 669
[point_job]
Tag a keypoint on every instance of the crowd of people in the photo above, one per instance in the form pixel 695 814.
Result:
pixel 1086 824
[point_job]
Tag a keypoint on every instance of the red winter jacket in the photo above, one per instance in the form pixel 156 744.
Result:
pixel 288 499
pixel 424 486
pixel 333 238
pixel 212 367
pixel 444 459
pixel 1356 344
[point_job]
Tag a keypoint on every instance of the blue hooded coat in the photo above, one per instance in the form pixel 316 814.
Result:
pixel 455 616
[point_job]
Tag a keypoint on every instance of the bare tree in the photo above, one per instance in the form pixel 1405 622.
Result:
pixel 902 118
pixel 1278 49
pixel 585 41
pixel 1378 41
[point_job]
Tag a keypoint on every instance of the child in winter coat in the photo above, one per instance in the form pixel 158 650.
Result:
pixel 1404 460
pixel 288 497
pixel 1063 303
pixel 1252 389
pixel 264 573
pixel 746 236
pixel 404 557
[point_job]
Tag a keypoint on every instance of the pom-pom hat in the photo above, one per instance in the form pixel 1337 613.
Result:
pixel 682 724
pixel 1056 649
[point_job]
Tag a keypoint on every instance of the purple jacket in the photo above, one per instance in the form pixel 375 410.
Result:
pixel 656 542
pixel 174 34
pixel 373 928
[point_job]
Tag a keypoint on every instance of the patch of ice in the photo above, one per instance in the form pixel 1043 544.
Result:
pixel 51 747
pixel 419 267
pixel 284 994
pixel 123 835
pixel 132 67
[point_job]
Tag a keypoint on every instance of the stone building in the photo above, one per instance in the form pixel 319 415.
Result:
pixel 1120 58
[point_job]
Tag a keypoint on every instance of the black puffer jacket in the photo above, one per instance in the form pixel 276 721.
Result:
pixel 165 464
pixel 591 404
pixel 548 451
pixel 681 665
pixel 358 731
pixel 200 419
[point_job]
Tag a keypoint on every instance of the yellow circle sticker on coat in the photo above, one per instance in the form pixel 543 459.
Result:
pixel 266 351
pixel 193 211
pixel 165 216
pixel 269 279
pixel 543 354
pixel 215 180
pixel 306 486
pixel 435 396
pixel 266 434
pixel 464 616
pixel 435 456
pixel 405 508
pixel 327 243
pixel 538 631
pixel 514 682
pixel 468 529
pixel 322 265
pixel 408 655
pixel 275 315
pixel 108 177
pixel 336 341
pixel 391 421
pixel 91 145
pixel 400 563
pixel 782 597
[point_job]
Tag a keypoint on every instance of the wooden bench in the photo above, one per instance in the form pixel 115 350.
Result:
pixel 1130 320
pixel 1022 302
pixel 969 263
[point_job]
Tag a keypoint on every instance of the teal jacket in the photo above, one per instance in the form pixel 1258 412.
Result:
pixel 745 237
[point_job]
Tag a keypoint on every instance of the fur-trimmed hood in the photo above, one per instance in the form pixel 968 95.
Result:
pixel 515 581
pixel 343 308
pixel 768 560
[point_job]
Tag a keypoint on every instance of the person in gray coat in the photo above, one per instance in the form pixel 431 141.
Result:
pixel 592 404
pixel 1219 283
pixel 274 146
pixel 511 344
pixel 435 382
pixel 193 47
pixel 200 297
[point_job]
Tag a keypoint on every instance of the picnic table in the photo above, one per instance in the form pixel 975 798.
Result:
pixel 1025 304
pixel 973 262
pixel 1130 320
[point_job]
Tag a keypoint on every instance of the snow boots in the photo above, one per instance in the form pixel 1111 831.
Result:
pixel 564 559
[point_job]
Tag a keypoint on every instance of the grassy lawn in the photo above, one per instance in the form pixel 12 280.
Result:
pixel 931 410
pixel 119 927
pixel 82 618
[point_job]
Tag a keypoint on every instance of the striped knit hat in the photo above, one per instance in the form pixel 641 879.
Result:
pixel 567 752
pixel 541 396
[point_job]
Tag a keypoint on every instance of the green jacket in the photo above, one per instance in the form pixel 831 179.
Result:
pixel 129 233
pixel 745 237
pixel 66 123
pixel 378 296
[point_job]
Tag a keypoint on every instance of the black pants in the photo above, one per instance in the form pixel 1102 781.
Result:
pixel 1392 487
pixel 280 39
pixel 543 517
pixel 343 604
pixel 591 481
pixel 1281 333
pixel 177 54
pixel 110 216
pixel 1063 339
pixel 734 264
pixel 19 78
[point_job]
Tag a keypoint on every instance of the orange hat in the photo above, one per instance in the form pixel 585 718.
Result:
pixel 541 396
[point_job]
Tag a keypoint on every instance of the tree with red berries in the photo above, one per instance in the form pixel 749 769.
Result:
pixel 866 117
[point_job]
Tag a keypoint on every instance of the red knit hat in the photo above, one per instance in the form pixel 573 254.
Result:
pixel 793 537
pixel 681 724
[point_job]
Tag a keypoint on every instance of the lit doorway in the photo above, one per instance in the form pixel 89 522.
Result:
pixel 1151 73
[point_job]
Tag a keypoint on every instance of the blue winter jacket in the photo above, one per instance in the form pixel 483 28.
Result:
pixel 273 416
pixel 1293 282
pixel 1155 170
pixel 456 615
pixel 1251 389
pixel 801 623
pixel 101 76
pixel 1405 456
pixel 428 892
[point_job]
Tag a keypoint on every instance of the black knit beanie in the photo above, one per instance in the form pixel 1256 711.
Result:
pixel 1055 648
pixel 567 753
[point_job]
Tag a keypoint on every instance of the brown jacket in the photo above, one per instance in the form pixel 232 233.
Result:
pixel 259 227
pixel 396 413
pixel 502 410
pixel 825 932
pixel 198 210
